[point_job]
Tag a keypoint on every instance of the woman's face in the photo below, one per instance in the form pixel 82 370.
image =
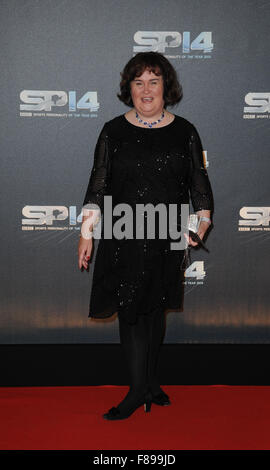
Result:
pixel 147 94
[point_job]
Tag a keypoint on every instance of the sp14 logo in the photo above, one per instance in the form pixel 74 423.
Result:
pixel 45 100
pixel 158 41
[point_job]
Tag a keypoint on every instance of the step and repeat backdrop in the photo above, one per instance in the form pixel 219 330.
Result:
pixel 60 72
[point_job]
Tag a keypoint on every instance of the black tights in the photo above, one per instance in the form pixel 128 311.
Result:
pixel 141 343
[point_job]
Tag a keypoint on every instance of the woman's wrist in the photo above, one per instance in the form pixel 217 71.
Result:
pixel 86 236
pixel 205 219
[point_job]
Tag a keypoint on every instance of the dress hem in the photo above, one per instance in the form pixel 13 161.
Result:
pixel 110 314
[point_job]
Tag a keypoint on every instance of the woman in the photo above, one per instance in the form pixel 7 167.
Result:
pixel 147 155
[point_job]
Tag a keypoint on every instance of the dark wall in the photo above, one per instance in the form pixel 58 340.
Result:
pixel 60 72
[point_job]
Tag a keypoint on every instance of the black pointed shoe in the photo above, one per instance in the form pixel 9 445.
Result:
pixel 161 399
pixel 114 413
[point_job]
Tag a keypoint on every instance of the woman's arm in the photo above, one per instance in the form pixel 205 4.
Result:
pixel 200 189
pixel 98 180
pixel 93 203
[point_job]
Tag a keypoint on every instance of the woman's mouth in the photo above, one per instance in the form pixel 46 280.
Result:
pixel 147 100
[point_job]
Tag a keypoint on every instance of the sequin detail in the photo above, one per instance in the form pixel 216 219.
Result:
pixel 143 165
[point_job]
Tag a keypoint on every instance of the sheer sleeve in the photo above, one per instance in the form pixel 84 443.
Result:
pixel 199 185
pixel 99 177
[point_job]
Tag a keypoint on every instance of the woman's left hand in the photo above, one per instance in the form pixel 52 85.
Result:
pixel 201 232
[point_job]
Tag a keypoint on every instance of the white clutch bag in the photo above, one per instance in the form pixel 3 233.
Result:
pixel 194 221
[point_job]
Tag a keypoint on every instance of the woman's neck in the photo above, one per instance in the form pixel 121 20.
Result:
pixel 149 118
pixel 131 117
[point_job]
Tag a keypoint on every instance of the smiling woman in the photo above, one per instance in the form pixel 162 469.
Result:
pixel 149 87
pixel 147 95
pixel 159 66
pixel 147 155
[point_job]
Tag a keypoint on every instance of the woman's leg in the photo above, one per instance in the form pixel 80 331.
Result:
pixel 156 331
pixel 141 343
pixel 134 340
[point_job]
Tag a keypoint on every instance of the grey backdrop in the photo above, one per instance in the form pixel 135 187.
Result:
pixel 48 47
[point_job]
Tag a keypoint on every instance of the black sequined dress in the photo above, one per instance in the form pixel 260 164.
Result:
pixel 136 165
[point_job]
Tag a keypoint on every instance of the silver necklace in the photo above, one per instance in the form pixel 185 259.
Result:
pixel 150 124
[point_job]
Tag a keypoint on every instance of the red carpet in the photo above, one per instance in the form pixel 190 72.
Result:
pixel 200 417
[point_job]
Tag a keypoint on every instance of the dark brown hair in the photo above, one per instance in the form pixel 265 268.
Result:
pixel 158 64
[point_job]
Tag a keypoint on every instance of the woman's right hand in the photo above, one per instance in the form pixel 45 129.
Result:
pixel 84 252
